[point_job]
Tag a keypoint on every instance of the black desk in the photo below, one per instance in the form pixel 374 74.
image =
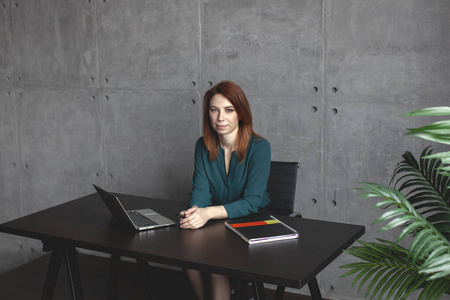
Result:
pixel 86 223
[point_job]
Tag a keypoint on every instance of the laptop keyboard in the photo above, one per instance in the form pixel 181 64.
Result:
pixel 139 220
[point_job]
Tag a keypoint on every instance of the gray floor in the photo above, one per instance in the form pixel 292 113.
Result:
pixel 26 282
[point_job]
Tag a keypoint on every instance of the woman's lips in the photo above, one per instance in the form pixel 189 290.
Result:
pixel 221 126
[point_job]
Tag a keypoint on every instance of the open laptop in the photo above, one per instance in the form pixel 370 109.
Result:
pixel 141 219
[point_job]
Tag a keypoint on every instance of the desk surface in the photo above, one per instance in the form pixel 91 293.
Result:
pixel 86 223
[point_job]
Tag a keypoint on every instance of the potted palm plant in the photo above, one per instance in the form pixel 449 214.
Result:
pixel 418 202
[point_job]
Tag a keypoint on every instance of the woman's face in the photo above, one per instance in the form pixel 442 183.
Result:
pixel 223 116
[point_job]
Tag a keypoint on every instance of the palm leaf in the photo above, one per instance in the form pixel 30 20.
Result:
pixel 440 137
pixel 437 132
pixel 426 188
pixel 443 156
pixel 441 127
pixel 388 272
pixel 427 233
pixel 430 111
pixel 391 270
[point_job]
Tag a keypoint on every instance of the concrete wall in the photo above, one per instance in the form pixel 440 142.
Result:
pixel 109 92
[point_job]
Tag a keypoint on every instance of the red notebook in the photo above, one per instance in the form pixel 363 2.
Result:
pixel 257 229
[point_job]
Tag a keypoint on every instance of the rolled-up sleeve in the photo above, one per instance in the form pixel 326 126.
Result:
pixel 200 195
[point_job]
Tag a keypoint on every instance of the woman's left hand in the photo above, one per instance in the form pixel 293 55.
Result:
pixel 195 217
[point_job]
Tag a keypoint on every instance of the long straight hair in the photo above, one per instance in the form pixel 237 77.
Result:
pixel 236 96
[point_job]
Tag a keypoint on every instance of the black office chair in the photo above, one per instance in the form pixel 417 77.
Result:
pixel 281 187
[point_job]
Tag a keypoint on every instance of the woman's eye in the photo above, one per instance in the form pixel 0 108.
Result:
pixel 213 110
pixel 230 110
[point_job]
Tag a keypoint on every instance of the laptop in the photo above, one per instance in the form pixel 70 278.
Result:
pixel 141 219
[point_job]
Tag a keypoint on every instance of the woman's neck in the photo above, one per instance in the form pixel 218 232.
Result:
pixel 227 141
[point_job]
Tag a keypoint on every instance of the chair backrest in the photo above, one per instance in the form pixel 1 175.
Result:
pixel 281 187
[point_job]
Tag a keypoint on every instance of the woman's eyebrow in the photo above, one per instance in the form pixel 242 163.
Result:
pixel 230 106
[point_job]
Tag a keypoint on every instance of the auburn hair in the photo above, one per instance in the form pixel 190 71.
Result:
pixel 236 96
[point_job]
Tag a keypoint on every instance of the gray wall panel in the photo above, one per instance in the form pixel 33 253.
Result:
pixel 10 201
pixel 363 143
pixel 158 47
pixel 268 47
pixel 395 53
pixel 5 44
pixel 390 76
pixel 414 24
pixel 13 249
pixel 149 142
pixel 294 129
pixel 54 42
pixel 60 142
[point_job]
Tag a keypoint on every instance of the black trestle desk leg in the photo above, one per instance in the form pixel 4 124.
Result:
pixel 314 289
pixel 113 284
pixel 241 289
pixel 73 273
pixel 258 291
pixel 145 273
pixel 60 252
pixel 279 292
pixel 52 272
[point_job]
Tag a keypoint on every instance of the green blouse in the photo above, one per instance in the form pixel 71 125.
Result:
pixel 244 190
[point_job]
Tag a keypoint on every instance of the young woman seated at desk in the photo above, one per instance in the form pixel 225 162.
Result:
pixel 232 165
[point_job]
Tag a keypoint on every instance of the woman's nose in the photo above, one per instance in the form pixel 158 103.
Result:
pixel 220 116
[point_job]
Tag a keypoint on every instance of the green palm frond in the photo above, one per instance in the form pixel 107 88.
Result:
pixel 426 188
pixel 443 156
pixel 387 271
pixel 427 240
pixel 393 270
pixel 430 111
pixel 437 132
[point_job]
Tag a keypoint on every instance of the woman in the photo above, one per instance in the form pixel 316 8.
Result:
pixel 232 165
